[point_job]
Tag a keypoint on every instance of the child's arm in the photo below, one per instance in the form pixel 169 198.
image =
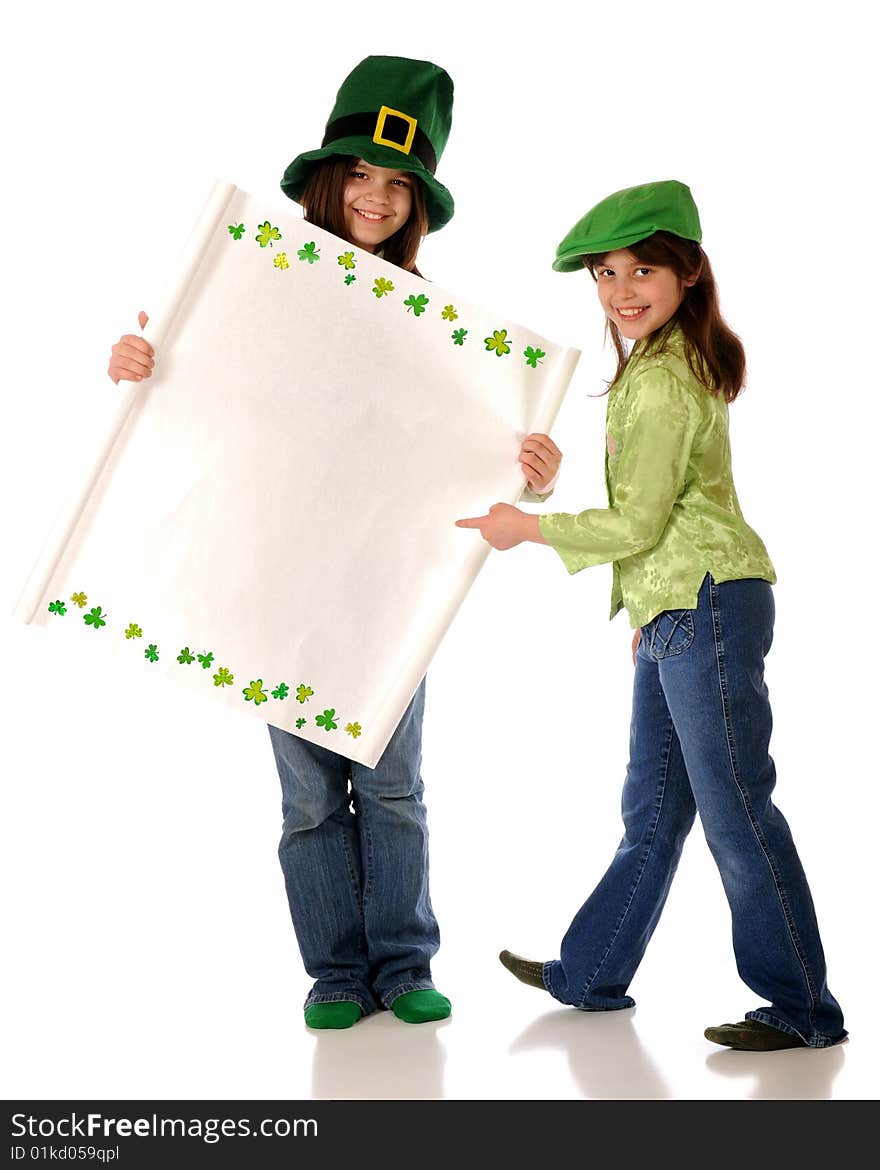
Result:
pixel 650 476
pixel 131 358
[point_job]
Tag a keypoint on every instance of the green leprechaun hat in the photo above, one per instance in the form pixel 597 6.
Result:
pixel 628 216
pixel 391 112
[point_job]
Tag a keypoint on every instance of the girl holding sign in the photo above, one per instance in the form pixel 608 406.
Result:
pixel 354 846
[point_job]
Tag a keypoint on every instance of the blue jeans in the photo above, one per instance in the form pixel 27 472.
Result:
pixel 699 741
pixel 354 851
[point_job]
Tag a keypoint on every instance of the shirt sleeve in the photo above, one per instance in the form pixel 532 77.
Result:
pixel 529 496
pixel 649 477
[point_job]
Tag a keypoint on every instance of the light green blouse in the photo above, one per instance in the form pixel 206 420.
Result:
pixel 673 514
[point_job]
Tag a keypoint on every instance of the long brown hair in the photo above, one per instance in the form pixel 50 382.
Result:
pixel 322 201
pixel 714 352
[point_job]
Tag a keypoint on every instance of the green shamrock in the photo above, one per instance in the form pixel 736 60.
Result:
pixel 236 230
pixel 498 342
pixel 303 692
pixel 133 631
pixel 449 313
pixel 300 722
pixel 152 652
pixel 351 278
pixel 206 659
pixel 58 607
pixel 281 691
pixel 381 286
pixel 267 234
pixel 223 678
pixel 78 599
pixel 533 356
pixel 353 729
pixel 459 335
pixel 327 720
pixel 309 252
pixel 255 691
pixel 184 657
pixel 346 260
pixel 95 618
pixel 418 303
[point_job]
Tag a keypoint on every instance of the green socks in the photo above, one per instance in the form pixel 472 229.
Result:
pixel 341 1014
pixel 418 1007
pixel 414 1007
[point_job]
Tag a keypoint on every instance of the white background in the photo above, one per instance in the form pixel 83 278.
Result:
pixel 149 952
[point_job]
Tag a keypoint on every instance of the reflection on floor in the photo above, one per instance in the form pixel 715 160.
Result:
pixel 560 1054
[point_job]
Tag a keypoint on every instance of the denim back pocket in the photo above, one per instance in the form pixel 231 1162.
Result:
pixel 669 633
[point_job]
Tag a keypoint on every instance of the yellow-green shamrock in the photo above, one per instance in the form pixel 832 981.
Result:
pixel 280 261
pixel 78 599
pixel 255 691
pixel 381 286
pixel 303 692
pixel 353 729
pixel 267 234
pixel 347 260
pixel 498 342
pixel 223 678
pixel 133 631
pixel 449 313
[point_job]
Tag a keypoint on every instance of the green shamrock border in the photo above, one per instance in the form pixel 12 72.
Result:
pixel 97 618
pixel 499 342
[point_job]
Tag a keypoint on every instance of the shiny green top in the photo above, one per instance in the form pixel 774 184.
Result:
pixel 673 514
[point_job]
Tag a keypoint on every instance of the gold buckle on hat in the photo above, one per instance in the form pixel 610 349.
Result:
pixel 386 112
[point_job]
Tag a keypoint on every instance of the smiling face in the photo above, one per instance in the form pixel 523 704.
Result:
pixel 376 203
pixel 639 298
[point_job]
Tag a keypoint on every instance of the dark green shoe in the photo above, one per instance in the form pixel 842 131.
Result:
pixel 526 970
pixel 753 1036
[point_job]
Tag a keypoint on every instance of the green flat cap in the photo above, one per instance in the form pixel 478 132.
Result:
pixel 391 112
pixel 628 216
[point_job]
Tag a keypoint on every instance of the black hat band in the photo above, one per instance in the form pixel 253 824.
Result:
pixel 387 128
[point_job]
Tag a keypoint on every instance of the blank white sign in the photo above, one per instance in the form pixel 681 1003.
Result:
pixel 271 516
